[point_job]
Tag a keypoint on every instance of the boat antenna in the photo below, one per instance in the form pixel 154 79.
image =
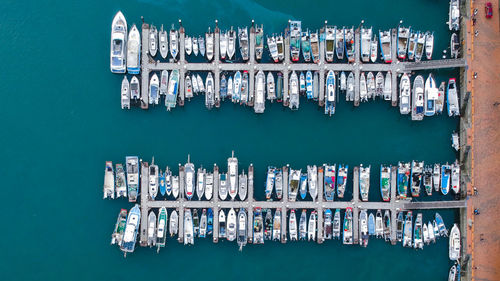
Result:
pixel 253 22
pixel 180 22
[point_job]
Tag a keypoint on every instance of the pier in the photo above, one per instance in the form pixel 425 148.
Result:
pixel 396 67
pixel 285 205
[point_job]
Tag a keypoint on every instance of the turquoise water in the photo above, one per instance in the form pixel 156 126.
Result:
pixel 62 119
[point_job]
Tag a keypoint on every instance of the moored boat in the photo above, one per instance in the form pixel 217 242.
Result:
pixel 330 93
pixel 342 180
pixel 222 224
pixel 243 42
pixel 363 228
pixel 195 45
pixel 209 185
pixel 403 179
pixel 258 226
pixel 454 244
pixel 306 46
pixel 427 180
pixel 349 44
pixel 330 43
pixel 292 226
pixel 295 35
pixel 173 223
pixel 268 225
pixel 189 180
pixel 259 42
pixel 125 93
pixel 364 182
pixel 231 43
pixel 445 178
pixel 209 38
pixel 407 231
pixel 412 44
pixel 161 231
pixel 374 49
pixel 303 186
pixel 431 96
pixel 385 45
pixel 452 98
pixel 454 15
pixel 293 181
pixel 260 92
pixel 119 230
pixel 387 225
pixel 109 181
pixel 312 178
pixel 232 170
pixel 442 228
pixel 417 112
pixel 455 177
pixel 404 94
pixel 336 224
pixel 118 46
pixel 417 169
pixel 429 44
pixel 188 228
pixel 328 227
pixel 366 37
pixel 419 52
pixel 436 177
pixel 388 86
pixel 174 42
pixel 135 89
pixel 271 87
pixel 385 182
pixel 402 43
pixel 132 167
pixel 329 182
pixel 120 181
pixel 339 43
pixel 133 51
pixel 277 225
pixel 273 48
pixel 418 233
pixel 163 42
pixel 231 225
pixel 153 180
pixel 209 94
pixel 311 227
pixel 454 46
pixel 131 229
pixel 188 48
pixel 379 225
pixel 399 226
pixel 363 90
pixel 200 183
pixel 314 41
pixel 242 186
pixel 173 90
pixel 242 228
pixel 347 227
pixel 154 86
pixel 223 186
pixel 278 183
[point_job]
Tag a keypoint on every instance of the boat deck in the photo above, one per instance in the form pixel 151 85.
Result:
pixel 148 64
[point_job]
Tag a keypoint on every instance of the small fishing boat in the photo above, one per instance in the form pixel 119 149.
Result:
pixel 230 87
pixel 425 233
pixel 417 233
pixel 133 51
pixel 402 43
pixel 163 82
pixel 273 48
pixel 260 92
pixel 195 46
pixel 131 229
pixel 135 89
pixel 201 46
pixel 309 85
pixel 442 228
pixel 436 177
pixel 293 187
pixel 209 38
pixel 374 49
pixel 232 170
pixel 330 43
pixel 403 179
pixel 161 230
pixel 339 43
pixel 222 224
pixel 243 186
pixel 343 81
pixel 231 225
pixel 174 42
pixel 154 85
pixel 427 180
pixel 162 35
pixel 151 240
pixel 336 224
pixel 201 86
pixel 173 90
pixel 132 166
pixel 370 85
pixel 387 225
pixel 349 44
pixel 306 46
pixel 431 96
pixel 452 275
pixel 371 224
pixel 196 223
pixel 417 112
pixel 189 180
pixel 175 186
pixel 277 225
pixel 385 182
pixel 315 85
pixel 312 178
pixel 429 44
pixel 258 226
pixel 399 226
pixel 209 185
pixel 452 98
pixel 454 249
pixel 243 42
pixel 278 183
pixel 347 227
pixel 412 45
pixel 209 94
pixel 125 93
pixel 294 92
pixel 379 224
pixel 259 42
pixel 311 228
pixel 188 87
pixel 231 43
pixel 329 182
pixel 153 41
pixel 303 186
pixel 455 177
pixel 281 47
pixel 168 181
pixel 242 228
pixel 342 180
pixel 236 96
pixel 223 186
pixel 440 100
pixel 118 46
pixel 173 223
pixel 419 53
pixel 295 35
pixel 292 226
pixel 279 87
pixel 404 94
pixel 366 37
pixel 385 45
pixel 363 91
pixel 188 228
pixel 271 87
pixel 454 15
pixel 121 222
pixel 223 87
pixel 363 228
pixel 454 46
pixel 210 221
pixel 430 232
pixel 349 95
pixel 388 86
pixel 417 169
pixel 161 183
pixel 188 42
pixel 364 182
pixel 268 225
pixel 407 232
pixel 200 183
pixel 302 83
pixel 153 180
pixel 120 181
pixel 445 178
pixel 379 84
pixel 330 93
pixel 314 42
pixel 327 228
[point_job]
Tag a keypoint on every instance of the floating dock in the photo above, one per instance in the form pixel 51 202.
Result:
pixel 148 64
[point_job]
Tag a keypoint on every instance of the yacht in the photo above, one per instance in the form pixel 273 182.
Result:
pixel 125 93
pixel 134 51
pixel 162 36
pixel 404 94
pixel 118 53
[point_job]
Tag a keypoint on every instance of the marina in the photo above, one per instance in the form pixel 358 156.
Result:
pixel 246 206
pixel 361 60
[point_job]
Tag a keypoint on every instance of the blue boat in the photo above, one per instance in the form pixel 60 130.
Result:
pixel 131 229
pixel 223 87
pixel 303 186
pixel 445 178
pixel 442 228
pixel 330 93
pixel 371 224
pixel 309 85
pixel 210 221
pixel 237 87
pixel 162 184
pixel 168 181
pixel 342 180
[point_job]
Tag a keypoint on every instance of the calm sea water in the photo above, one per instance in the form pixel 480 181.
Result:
pixel 62 119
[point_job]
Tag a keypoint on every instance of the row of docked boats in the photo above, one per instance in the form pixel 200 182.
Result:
pixel 426 98
pixel 411 179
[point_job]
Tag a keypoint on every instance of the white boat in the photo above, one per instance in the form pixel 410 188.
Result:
pixel 271 87
pixel 120 181
pixel 174 42
pixel 200 183
pixel 280 46
pixel 430 232
pixel 188 45
pixel 222 224
pixel 277 225
pixel 454 243
pixel 379 84
pixel 135 89
pixel 231 225
pixel 153 180
pixel 364 182
pixel 412 45
pixel 440 100
pixel 260 93
pixel 454 15
pixel 195 45
pixel 374 49
pixel 242 234
pixel 201 86
pixel 223 45
pixel 162 35
pixel 385 45
pixel 109 181
pixel 230 87
pixel 292 226
pixel 188 228
pixel 173 223
pixel 209 38
pixel 209 186
pixel 118 52
pixel 330 99
pixel 454 46
pixel 388 86
pixel 154 87
pixel 349 94
pixel 223 186
pixel 418 242
pixel 363 92
pixel 189 180
pixel 201 46
pixel 243 186
pixel 312 178
pixel 209 94
pixel 134 51
pixel 419 52
pixel 294 92
pixel 153 41
pixel 163 82
pixel 243 42
pixel 370 84
pixel 455 177
pixel 303 225
pixel 131 229
pixel 429 44
pixel 273 48
pixel 151 229
pixel 431 96
pixel 425 232
pixel 452 275
pixel 366 37
pixel 452 98
pixel 417 112
pixel 363 228
pixel 232 170
pixel 125 93
pixel 330 43
pixel 311 228
pixel 404 94
pixel 343 81
pixel 339 43
pixel 293 184
pixel 231 43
